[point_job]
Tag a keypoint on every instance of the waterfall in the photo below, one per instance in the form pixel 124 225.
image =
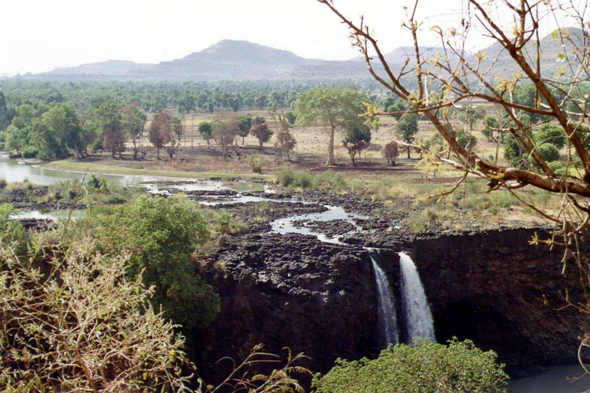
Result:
pixel 386 306
pixel 415 305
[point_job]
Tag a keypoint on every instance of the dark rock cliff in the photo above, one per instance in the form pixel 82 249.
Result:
pixel 491 287
pixel 294 291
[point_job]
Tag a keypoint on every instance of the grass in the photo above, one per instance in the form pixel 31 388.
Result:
pixel 68 165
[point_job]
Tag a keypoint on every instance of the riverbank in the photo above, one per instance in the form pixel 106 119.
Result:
pixel 71 166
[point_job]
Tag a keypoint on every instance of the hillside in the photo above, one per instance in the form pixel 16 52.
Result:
pixel 242 60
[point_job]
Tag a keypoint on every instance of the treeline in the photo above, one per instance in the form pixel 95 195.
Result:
pixel 56 130
pixel 187 96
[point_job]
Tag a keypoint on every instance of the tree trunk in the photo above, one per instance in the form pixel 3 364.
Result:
pixel 408 151
pixel 242 141
pixel 113 153
pixel 158 153
pixel 331 160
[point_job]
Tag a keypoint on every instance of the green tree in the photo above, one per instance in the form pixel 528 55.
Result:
pixel 245 123
pixel 111 127
pixel 4 120
pixel 177 127
pixel 407 128
pixel 291 118
pixel 134 124
pixel 471 114
pixel 161 234
pixel 225 131
pixel 58 132
pixel 399 105
pixel 206 130
pixel 552 134
pixel 426 367
pixel 331 108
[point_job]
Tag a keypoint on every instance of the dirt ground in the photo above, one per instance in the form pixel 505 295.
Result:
pixel 195 155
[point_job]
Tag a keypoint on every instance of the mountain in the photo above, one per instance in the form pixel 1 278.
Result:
pixel 105 68
pixel 242 60
pixel 551 48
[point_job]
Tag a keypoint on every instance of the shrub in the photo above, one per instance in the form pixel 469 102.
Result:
pixel 330 180
pixel 89 330
pixel 257 163
pixel 425 367
pixel 115 200
pixel 3 184
pixel 161 234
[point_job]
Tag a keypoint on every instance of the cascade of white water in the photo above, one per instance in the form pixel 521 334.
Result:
pixel 386 306
pixel 415 305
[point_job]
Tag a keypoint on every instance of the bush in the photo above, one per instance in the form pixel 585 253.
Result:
pixel 257 163
pixel 330 180
pixel 3 184
pixel 161 234
pixel 425 367
pixel 89 330
pixel 115 200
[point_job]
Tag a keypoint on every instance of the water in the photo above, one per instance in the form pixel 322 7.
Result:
pixel 13 172
pixel 553 381
pixel 53 215
pixel 286 225
pixel 386 306
pixel 414 303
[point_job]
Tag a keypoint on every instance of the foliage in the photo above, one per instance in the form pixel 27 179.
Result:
pixel 111 127
pixel 549 152
pixel 206 130
pixel 549 133
pixel 29 152
pixel 261 131
pixel 331 108
pixel 327 180
pixel 390 151
pixel 11 231
pixel 134 124
pixel 426 367
pixel 291 118
pixel 398 105
pixel 257 163
pixel 285 143
pixel 75 323
pixel 279 380
pixel 407 128
pixel 57 132
pixel 466 139
pixel 245 123
pixel 472 114
pixel 160 234
pixel 225 131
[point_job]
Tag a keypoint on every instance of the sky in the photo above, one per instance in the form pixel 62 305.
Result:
pixel 41 35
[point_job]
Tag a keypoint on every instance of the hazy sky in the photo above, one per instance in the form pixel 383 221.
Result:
pixel 40 35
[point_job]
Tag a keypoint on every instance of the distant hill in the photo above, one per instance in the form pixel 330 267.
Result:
pixel 242 60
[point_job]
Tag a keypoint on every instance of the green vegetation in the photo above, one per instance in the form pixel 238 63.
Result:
pixel 334 109
pixel 328 180
pixel 160 235
pixel 425 367
pixel 406 128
